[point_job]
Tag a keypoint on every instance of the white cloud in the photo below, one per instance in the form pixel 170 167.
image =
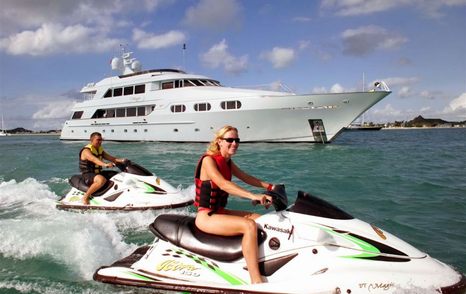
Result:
pixel 54 38
pixel 18 15
pixel 432 8
pixel 280 57
pixel 213 14
pixel 457 107
pixel 55 110
pixel 150 41
pixel 364 40
pixel 336 88
pixel 219 56
pixel 351 7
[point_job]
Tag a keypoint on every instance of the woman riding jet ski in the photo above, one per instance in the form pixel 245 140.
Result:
pixel 308 247
pixel 134 188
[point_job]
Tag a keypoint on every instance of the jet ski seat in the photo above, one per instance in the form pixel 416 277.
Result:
pixel 182 231
pixel 77 182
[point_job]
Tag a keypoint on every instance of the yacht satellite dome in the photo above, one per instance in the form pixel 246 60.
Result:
pixel 117 63
pixel 136 65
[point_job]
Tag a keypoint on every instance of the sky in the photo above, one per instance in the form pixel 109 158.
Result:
pixel 50 49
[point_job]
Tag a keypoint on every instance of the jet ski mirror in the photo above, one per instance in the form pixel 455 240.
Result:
pixel 279 197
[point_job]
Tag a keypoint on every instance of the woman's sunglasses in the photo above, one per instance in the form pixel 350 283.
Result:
pixel 231 140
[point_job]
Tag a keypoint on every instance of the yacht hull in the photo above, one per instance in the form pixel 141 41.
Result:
pixel 317 118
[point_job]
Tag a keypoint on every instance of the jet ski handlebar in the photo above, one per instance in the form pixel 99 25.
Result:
pixel 133 168
pixel 279 197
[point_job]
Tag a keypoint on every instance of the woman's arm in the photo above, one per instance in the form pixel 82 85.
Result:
pixel 248 179
pixel 210 171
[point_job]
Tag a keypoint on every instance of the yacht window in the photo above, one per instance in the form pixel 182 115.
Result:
pixel 202 106
pixel 235 104
pixel 110 113
pixel 198 83
pixel 117 92
pixel 178 83
pixel 139 89
pixel 131 111
pixel 129 90
pixel 178 108
pixel 167 85
pixel 141 111
pixel 77 115
pixel 108 93
pixel 99 113
pixel 120 112
pixel 189 83
pixel 149 109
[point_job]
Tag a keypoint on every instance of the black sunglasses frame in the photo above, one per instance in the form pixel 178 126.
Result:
pixel 231 140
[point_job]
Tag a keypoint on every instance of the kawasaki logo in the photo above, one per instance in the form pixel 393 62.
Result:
pixel 277 229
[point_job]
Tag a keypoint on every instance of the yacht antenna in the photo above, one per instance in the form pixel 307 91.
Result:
pixel 363 82
pixel 184 60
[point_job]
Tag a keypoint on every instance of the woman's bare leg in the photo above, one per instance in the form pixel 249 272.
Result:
pixel 232 225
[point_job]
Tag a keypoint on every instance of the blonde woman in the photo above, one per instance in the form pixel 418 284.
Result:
pixel 213 186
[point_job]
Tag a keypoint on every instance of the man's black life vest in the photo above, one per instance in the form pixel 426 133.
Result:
pixel 86 166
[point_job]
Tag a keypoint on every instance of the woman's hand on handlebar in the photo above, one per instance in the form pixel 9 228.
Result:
pixel 262 199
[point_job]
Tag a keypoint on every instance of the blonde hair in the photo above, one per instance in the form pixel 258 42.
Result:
pixel 214 148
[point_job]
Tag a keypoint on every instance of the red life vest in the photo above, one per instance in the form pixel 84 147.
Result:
pixel 208 194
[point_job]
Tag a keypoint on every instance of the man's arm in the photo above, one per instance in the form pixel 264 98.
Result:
pixel 87 155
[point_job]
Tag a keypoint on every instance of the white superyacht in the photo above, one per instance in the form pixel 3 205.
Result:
pixel 169 105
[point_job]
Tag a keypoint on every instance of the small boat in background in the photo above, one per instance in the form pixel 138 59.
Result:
pixel 2 130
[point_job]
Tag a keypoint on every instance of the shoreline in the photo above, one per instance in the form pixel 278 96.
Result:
pixel 421 128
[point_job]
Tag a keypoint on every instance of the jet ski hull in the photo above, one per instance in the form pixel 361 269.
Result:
pixel 135 188
pixel 311 247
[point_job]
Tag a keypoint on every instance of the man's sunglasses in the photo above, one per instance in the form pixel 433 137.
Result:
pixel 231 140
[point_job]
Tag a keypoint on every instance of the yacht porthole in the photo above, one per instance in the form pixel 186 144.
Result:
pixel 72 131
pixel 103 131
pixel 175 130
pixel 126 130
pixel 135 130
pixel 196 130
pixel 85 131
pixel 113 131
pixel 145 130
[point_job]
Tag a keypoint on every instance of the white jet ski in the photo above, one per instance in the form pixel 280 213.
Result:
pixel 309 247
pixel 134 188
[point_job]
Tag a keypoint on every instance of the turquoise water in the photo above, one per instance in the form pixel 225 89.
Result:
pixel 411 183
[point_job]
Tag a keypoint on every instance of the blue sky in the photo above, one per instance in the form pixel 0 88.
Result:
pixel 50 49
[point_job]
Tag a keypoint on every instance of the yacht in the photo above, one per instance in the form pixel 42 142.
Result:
pixel 170 105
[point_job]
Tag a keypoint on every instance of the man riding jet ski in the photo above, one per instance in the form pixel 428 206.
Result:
pixel 134 188
pixel 308 247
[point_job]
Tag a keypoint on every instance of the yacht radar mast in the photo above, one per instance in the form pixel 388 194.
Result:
pixel 126 64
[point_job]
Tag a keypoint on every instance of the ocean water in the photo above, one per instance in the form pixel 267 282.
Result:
pixel 411 183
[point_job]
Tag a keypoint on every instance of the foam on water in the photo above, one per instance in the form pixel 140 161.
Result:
pixel 36 229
